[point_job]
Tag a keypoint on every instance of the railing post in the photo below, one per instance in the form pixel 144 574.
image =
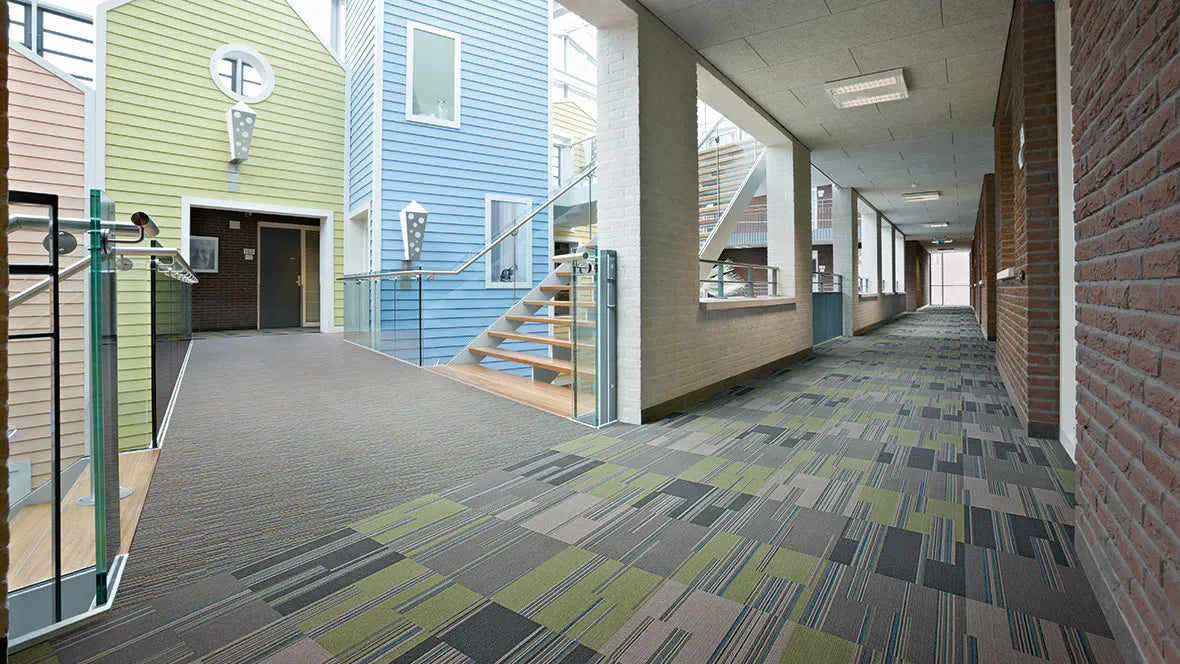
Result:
pixel 750 280
pixel 720 280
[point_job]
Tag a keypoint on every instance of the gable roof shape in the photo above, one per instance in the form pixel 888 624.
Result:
pixel 114 4
pixel 49 67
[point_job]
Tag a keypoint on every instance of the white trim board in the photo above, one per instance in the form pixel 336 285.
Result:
pixel 327 242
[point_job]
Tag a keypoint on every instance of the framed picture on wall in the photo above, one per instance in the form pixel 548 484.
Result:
pixel 203 253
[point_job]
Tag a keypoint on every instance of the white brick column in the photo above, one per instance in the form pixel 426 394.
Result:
pixel 647 205
pixel 788 216
pixel 844 256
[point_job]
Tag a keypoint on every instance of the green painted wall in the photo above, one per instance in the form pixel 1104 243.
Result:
pixel 166 138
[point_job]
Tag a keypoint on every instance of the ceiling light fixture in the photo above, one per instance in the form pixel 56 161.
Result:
pixel 921 196
pixel 868 89
pixel 937 224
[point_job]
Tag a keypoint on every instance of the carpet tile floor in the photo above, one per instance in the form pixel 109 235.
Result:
pixel 876 502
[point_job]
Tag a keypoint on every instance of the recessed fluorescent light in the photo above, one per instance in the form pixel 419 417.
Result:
pixel 937 224
pixel 920 196
pixel 868 89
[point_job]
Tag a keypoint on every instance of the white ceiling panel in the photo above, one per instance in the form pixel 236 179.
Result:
pixel 782 52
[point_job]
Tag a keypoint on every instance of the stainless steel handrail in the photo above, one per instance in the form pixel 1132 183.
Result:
pixel 17 222
pixel 772 284
pixel 32 291
pixel 488 247
pixel 180 268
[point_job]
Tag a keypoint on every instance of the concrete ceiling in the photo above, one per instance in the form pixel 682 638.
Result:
pixel 781 52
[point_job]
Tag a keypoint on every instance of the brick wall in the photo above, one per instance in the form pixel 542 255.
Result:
pixel 1127 147
pixel 1028 314
pixel 917 275
pixel 825 256
pixel 983 258
pixel 228 299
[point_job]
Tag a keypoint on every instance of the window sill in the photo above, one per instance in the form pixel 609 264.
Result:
pixel 868 296
pixel 718 304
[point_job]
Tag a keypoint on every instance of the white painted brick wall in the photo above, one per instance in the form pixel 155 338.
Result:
pixel 669 346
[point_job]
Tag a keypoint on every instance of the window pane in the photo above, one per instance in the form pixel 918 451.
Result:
pixel 434 76
pixel 508 260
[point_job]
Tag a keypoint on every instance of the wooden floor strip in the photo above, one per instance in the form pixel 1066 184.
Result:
pixel 549 398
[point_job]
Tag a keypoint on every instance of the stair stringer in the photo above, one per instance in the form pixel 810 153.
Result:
pixel 728 222
pixel 502 324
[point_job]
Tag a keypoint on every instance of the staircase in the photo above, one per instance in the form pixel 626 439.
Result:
pixel 552 330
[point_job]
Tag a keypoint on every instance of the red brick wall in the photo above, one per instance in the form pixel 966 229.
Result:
pixel 1027 307
pixel 228 299
pixel 1127 147
pixel 825 257
pixel 917 275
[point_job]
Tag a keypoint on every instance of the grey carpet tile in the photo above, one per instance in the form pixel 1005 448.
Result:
pixel 277 439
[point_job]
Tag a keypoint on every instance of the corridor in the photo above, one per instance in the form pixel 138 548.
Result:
pixel 877 501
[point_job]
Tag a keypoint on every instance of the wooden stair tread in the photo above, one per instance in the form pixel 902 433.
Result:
pixel 559 288
pixel 558 303
pixel 537 338
pixel 539 361
pixel 553 399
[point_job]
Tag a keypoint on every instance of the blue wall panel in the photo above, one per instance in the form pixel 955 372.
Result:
pixel 360 49
pixel 500 148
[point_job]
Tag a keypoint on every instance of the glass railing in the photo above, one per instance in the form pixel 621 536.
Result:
pixel 66 488
pixel 440 315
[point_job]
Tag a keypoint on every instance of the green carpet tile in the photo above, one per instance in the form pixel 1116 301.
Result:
pixel 876 502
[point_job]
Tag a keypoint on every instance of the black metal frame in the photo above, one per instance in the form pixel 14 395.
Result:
pixel 51 270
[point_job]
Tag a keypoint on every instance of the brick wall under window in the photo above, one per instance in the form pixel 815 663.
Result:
pixel 1127 147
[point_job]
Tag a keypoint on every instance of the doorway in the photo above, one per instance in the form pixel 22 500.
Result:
pixel 280 276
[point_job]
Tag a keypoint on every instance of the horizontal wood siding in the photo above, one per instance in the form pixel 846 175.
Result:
pixel 166 138
pixel 46 142
pixel 360 47
pixel 501 148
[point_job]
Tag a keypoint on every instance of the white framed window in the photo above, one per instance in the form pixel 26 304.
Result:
pixel 242 73
pixel 510 263
pixel 433 68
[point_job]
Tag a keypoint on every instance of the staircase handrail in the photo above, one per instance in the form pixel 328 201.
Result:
pixel 589 170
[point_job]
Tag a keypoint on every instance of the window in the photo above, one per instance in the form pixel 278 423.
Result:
pixel 950 278
pixel 20 28
pixel 509 264
pixel 242 73
pixel 64 37
pixel 867 259
pixel 886 257
pixel 432 76
pixel 899 261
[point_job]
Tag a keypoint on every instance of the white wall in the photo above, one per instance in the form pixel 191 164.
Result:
pixel 1065 240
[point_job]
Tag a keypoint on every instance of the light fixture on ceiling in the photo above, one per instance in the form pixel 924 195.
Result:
pixel 921 196
pixel 868 89
pixel 937 224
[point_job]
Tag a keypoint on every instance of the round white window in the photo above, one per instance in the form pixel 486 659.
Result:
pixel 242 73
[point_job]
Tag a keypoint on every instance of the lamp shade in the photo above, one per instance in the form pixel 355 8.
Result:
pixel 240 121
pixel 413 218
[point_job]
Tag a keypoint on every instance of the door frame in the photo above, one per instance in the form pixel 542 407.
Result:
pixel 327 242
pixel 302 228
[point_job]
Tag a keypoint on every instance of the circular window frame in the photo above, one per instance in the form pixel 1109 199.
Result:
pixel 251 57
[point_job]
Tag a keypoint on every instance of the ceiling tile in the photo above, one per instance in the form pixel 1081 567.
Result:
pixel 779 103
pixel 733 57
pixel 964 11
pixel 661 7
pixel 866 25
pixel 983 35
pixel 716 22
pixel 818 70
pixel 981 64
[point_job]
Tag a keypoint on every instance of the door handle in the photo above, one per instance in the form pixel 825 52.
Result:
pixel 299 280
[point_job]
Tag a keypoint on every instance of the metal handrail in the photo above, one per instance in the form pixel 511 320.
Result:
pixel 178 268
pixel 32 291
pixel 488 247
pixel 772 284
pixel 17 222
pixel 821 281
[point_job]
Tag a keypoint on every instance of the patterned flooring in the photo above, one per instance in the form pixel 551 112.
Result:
pixel 876 502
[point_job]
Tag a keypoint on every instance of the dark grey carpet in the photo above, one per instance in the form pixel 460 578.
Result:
pixel 276 440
